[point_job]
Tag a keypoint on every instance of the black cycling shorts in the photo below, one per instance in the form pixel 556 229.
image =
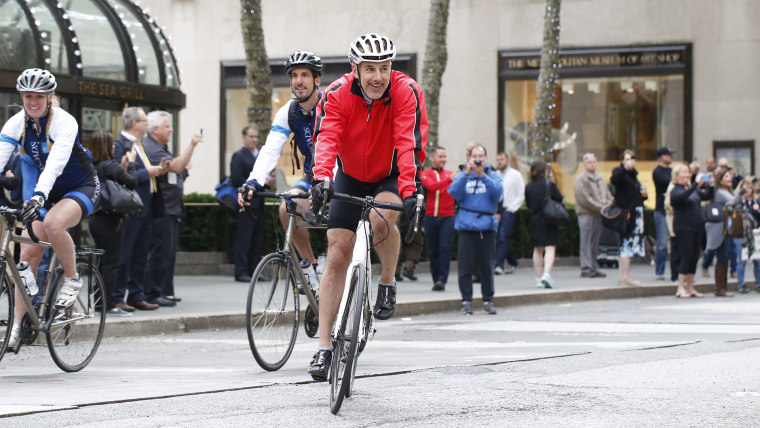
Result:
pixel 85 195
pixel 345 215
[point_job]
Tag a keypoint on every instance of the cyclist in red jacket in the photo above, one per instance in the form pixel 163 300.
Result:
pixel 373 123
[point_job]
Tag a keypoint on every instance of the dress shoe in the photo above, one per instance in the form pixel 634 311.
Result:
pixel 143 305
pixel 398 277
pixel 244 278
pixel 125 307
pixel 587 274
pixel 163 302
pixel 439 286
pixel 409 273
pixel 598 274
pixel 175 298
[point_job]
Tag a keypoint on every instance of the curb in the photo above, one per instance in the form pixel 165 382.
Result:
pixel 184 323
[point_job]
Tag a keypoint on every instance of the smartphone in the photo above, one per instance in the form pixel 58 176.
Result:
pixel 705 177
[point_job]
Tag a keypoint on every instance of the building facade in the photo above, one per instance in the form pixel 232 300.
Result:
pixel 637 74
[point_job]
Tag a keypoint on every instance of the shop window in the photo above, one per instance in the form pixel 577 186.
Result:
pixel 101 55
pixel 603 106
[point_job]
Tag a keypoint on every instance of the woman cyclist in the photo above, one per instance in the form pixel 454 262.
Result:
pixel 67 185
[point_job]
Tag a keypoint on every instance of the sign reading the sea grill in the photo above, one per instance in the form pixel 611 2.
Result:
pixel 111 90
pixel 126 92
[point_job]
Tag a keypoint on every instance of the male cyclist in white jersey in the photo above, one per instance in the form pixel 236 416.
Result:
pixel 296 116
pixel 67 185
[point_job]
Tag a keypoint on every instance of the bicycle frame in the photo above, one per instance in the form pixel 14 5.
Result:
pixel 10 268
pixel 360 256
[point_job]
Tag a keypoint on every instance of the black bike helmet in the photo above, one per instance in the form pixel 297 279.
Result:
pixel 303 59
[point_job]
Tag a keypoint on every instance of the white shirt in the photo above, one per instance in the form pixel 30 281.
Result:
pixel 514 189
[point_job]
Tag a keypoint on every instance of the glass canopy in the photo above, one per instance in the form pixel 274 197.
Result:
pixel 96 39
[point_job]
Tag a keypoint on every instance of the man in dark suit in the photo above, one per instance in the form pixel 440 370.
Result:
pixel 165 235
pixel 137 226
pixel 249 224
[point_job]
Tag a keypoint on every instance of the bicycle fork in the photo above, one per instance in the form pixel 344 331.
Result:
pixel 360 255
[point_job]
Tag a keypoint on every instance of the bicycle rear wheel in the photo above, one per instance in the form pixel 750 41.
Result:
pixel 76 331
pixel 346 341
pixel 6 310
pixel 272 312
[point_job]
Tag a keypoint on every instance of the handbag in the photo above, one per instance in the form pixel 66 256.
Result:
pixel 115 198
pixel 733 222
pixel 614 217
pixel 713 212
pixel 226 195
pixel 554 212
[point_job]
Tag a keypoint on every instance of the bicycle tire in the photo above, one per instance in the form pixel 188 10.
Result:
pixel 346 342
pixel 272 323
pixel 7 295
pixel 75 334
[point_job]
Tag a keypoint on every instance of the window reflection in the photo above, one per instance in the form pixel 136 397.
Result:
pixel 53 47
pixel 147 62
pixel 17 48
pixel 100 49
pixel 604 116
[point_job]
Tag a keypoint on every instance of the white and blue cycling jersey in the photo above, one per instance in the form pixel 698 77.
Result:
pixel 60 159
pixel 303 124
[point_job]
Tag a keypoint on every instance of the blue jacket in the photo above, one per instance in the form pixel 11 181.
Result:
pixel 478 199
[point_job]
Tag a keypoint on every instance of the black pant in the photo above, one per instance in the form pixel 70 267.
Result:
pixel 249 239
pixel 164 241
pixel 476 255
pixel 688 249
pixel 133 259
pixel 675 258
pixel 108 233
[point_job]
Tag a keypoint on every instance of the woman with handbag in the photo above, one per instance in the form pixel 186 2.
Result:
pixel 746 249
pixel 716 240
pixel 630 196
pixel 105 227
pixel 688 222
pixel 543 233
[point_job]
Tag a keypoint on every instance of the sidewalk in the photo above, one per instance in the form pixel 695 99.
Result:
pixel 216 302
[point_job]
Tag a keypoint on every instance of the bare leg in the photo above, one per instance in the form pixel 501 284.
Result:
pixel 625 268
pixel 690 286
pixel 32 255
pixel 339 248
pixel 683 290
pixel 300 234
pixel 549 259
pixel 538 261
pixel 64 215
pixel 387 235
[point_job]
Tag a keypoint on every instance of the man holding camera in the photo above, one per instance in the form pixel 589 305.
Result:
pixel 477 190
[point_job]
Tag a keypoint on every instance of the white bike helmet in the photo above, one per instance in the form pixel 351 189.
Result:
pixel 371 48
pixel 36 80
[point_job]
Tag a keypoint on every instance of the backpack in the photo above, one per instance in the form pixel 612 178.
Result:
pixel 226 195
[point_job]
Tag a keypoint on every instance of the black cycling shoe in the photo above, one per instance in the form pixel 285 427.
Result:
pixel 320 365
pixel 385 305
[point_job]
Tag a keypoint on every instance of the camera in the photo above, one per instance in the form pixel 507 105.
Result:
pixel 478 163
pixel 461 167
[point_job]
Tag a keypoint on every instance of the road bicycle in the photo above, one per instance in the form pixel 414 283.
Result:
pixel 72 334
pixel 273 305
pixel 354 324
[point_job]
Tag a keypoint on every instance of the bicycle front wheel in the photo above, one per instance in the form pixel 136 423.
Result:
pixel 75 333
pixel 272 312
pixel 346 341
pixel 6 310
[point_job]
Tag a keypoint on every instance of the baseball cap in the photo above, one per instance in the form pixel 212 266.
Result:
pixel 665 151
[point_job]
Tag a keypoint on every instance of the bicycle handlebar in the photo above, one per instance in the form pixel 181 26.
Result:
pixel 281 195
pixel 16 213
pixel 414 227
pixel 368 201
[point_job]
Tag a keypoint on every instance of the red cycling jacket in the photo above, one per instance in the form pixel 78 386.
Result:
pixel 436 183
pixel 372 141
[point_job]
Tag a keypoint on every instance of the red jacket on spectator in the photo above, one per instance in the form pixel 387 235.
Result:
pixel 439 202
